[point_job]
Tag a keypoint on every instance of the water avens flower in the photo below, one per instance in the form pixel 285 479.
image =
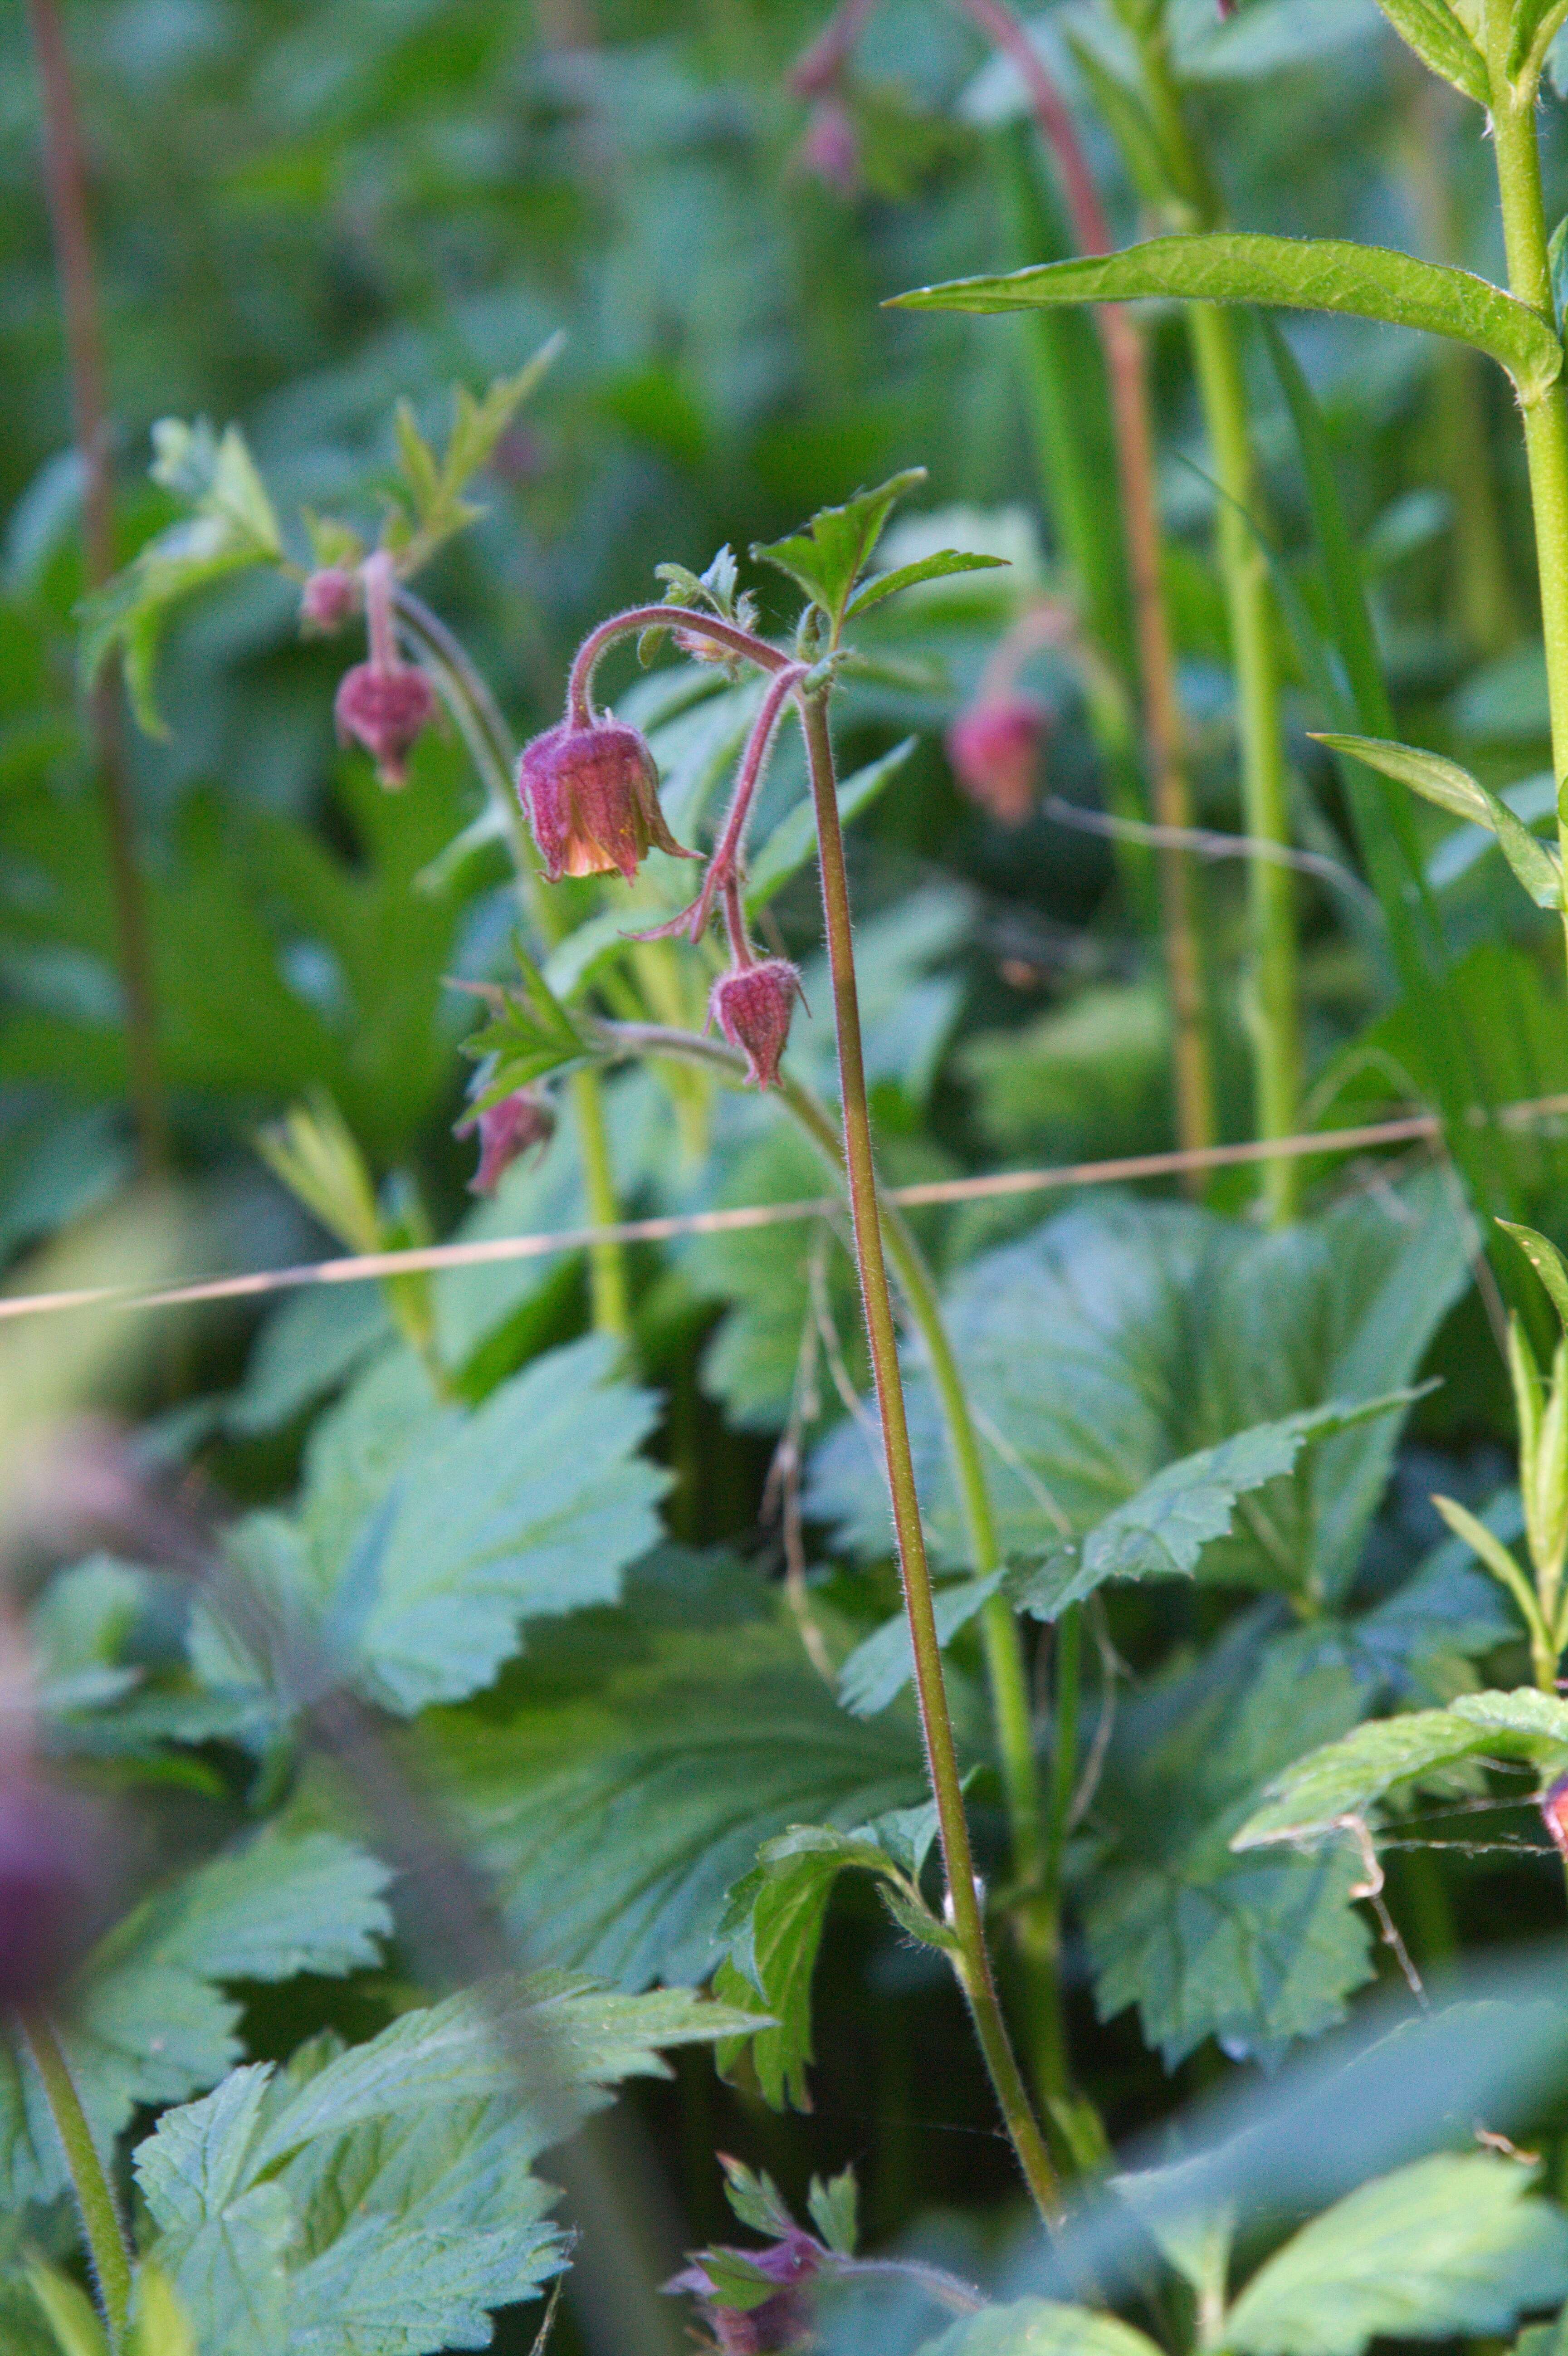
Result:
pixel 385 703
pixel 993 747
pixel 752 1004
pixel 589 790
pixel 507 1131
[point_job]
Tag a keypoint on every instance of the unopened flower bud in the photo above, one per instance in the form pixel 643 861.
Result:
pixel 385 711
pixel 329 599
pixel 507 1131
pixel 781 2321
pixel 995 750
pixel 752 1004
pixel 829 150
pixel 589 790
pixel 45 1893
pixel 1553 1804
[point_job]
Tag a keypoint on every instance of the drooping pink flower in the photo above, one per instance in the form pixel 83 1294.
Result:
pixel 507 1131
pixel 385 703
pixel 752 1004
pixel 993 747
pixel 328 598
pixel 781 2322
pixel 590 791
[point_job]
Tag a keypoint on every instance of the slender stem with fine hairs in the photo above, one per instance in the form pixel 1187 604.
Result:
pixel 96 2205
pixel 972 1961
pixel 65 172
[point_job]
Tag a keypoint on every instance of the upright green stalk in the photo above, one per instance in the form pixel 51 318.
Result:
pixel 972 1961
pixel 1274 1012
pixel 100 2225
pixel 1546 417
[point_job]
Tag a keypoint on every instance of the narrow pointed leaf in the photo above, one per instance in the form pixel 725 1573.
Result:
pixel 1454 790
pixel 1440 41
pixel 1369 282
pixel 1546 1260
pixel 945 562
pixel 1536 25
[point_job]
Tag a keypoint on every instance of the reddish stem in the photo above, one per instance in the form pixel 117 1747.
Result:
pixel 65 175
pixel 379 577
pixel 596 645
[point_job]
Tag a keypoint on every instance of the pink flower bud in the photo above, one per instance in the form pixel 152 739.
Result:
pixel 590 789
pixel 780 2322
pixel 46 1846
pixel 829 150
pixel 753 1005
pixel 385 710
pixel 507 1131
pixel 994 749
pixel 329 599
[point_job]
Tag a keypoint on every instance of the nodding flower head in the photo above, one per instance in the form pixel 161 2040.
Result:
pixel 329 599
pixel 779 2322
pixel 386 702
pixel 384 711
pixel 590 789
pixel 507 1131
pixel 830 149
pixel 752 1004
pixel 46 1861
pixel 995 751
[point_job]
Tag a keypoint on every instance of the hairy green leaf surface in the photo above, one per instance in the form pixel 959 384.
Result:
pixel 148 2022
pixel 1161 1533
pixel 774 1922
pixel 1120 1337
pixel 1204 1942
pixel 427 1535
pixel 1448 2248
pixel 625 1775
pixel 1536 864
pixel 826 558
pixel 1369 281
pixel 1440 41
pixel 379 2201
pixel 1346 1777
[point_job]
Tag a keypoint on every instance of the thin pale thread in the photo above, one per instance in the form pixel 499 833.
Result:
pixel 434 1257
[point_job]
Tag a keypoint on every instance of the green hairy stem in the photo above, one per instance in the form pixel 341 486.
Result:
pixel 96 2205
pixel 973 1961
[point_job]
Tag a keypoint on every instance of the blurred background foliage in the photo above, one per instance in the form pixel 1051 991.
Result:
pixel 307 211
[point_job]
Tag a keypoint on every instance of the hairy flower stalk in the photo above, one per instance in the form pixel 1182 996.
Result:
pixel 972 1962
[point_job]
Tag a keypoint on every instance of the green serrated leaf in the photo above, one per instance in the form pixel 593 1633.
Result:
pixel 1536 865
pixel 1448 2248
pixel 755 2199
pixel 1344 1778
pixel 834 2208
pixel 1162 1532
pixel 938 567
pixel 1430 28
pixel 827 558
pixel 529 1033
pixel 1295 274
pixel 643 1756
